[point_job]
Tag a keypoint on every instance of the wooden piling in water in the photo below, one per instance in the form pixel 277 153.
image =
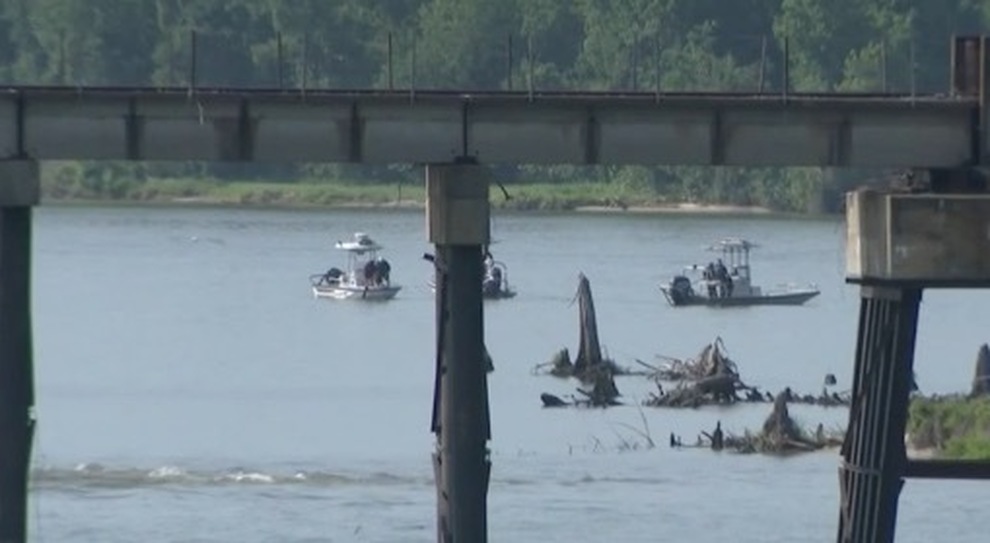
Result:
pixel 458 221
pixel 981 377
pixel 19 191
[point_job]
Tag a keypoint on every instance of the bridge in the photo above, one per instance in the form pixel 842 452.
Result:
pixel 216 124
pixel 899 243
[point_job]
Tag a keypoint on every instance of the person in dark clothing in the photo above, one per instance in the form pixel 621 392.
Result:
pixel 722 275
pixel 370 270
pixel 709 276
pixel 384 269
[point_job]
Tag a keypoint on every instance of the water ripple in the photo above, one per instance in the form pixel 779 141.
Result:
pixel 93 475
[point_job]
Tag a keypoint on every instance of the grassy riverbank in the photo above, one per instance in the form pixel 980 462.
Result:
pixel 576 196
pixel 951 426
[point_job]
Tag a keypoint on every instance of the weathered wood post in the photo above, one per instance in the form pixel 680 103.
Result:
pixel 898 244
pixel 458 224
pixel 19 191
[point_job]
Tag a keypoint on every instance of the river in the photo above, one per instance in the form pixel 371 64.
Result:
pixel 190 388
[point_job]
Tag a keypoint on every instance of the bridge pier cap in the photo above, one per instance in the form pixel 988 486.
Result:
pixel 918 240
pixel 457 205
pixel 19 183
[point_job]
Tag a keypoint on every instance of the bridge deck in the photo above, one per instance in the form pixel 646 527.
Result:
pixel 376 126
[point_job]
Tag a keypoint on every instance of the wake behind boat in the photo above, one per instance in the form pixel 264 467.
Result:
pixel 729 283
pixel 366 276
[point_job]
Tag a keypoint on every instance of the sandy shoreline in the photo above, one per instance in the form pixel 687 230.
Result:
pixel 685 208
pixel 666 208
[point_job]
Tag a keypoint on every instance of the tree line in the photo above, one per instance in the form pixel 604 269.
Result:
pixel 670 45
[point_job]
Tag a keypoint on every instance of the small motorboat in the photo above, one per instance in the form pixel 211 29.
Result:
pixel 365 277
pixel 728 282
pixel 494 283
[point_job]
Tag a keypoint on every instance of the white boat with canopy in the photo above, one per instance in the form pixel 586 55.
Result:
pixel 728 282
pixel 365 277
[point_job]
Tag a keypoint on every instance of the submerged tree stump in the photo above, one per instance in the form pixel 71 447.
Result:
pixel 589 348
pixel 981 377
pixel 590 367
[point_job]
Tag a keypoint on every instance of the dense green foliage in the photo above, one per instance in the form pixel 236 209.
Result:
pixel 956 427
pixel 673 45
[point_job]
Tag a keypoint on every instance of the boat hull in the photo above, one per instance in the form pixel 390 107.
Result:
pixel 775 298
pixel 501 294
pixel 339 292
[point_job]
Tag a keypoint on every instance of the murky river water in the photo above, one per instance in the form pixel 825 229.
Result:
pixel 191 389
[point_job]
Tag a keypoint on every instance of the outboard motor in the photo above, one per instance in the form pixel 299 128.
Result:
pixel 333 275
pixel 681 290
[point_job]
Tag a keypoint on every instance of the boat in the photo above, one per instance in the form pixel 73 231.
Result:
pixel 495 282
pixel 366 276
pixel 728 282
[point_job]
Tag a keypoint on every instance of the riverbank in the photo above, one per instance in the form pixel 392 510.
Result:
pixel 577 197
pixel 956 427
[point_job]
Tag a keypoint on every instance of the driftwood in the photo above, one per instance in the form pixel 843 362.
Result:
pixel 712 360
pixel 981 377
pixel 713 378
pixel 780 435
pixel 725 390
pixel 595 372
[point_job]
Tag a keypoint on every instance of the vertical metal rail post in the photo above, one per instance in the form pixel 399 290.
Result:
pixel 412 70
pixel 192 61
pixel 635 65
pixel 656 68
pixel 19 191
pixel 278 59
pixel 305 63
pixel 391 81
pixel 62 60
pixel 508 61
pixel 763 63
pixel 786 73
pixel 458 222
pixel 883 66
pixel 529 66
pixel 873 453
pixel 914 71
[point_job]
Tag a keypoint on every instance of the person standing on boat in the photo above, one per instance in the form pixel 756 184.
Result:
pixel 722 275
pixel 489 262
pixel 709 276
pixel 370 272
pixel 384 270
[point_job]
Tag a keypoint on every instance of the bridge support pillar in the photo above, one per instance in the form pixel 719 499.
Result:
pixel 899 243
pixel 19 191
pixel 873 453
pixel 458 224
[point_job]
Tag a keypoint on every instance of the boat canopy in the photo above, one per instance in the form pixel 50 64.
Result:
pixel 732 244
pixel 362 243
